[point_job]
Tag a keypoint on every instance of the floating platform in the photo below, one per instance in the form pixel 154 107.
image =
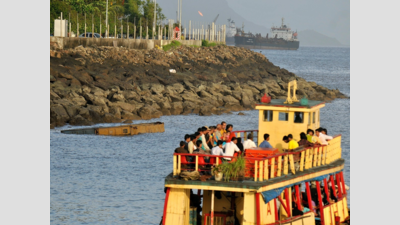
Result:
pixel 125 130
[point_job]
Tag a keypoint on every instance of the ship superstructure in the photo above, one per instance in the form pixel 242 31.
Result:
pixel 284 32
pixel 230 32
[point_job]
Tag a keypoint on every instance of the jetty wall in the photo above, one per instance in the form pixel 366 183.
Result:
pixel 96 84
pixel 72 42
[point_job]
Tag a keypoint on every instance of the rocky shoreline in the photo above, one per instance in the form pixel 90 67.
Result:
pixel 107 85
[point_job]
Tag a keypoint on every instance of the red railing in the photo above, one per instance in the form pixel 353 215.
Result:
pixel 264 164
pixel 219 218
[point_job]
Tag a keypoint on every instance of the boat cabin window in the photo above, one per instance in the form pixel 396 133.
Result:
pixel 268 115
pixel 283 116
pixel 313 117
pixel 298 117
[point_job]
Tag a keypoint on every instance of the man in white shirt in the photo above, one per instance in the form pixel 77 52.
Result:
pixel 231 148
pixel 322 137
pixel 249 143
pixel 217 150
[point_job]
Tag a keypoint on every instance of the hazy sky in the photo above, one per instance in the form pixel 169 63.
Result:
pixel 331 18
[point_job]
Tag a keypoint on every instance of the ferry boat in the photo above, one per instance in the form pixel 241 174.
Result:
pixel 277 184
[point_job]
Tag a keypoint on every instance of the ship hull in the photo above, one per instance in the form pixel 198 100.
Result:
pixel 230 40
pixel 264 43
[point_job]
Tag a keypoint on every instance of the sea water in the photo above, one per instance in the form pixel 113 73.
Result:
pixel 120 180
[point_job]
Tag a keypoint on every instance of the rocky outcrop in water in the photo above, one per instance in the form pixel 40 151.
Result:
pixel 107 84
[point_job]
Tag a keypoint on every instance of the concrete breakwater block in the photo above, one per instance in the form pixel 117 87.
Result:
pixel 125 130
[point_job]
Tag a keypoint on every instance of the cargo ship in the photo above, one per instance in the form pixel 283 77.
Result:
pixel 282 38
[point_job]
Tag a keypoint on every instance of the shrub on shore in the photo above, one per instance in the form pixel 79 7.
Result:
pixel 173 44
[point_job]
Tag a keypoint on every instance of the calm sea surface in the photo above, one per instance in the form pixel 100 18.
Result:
pixel 119 180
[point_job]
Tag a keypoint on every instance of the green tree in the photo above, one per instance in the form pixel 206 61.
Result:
pixel 132 7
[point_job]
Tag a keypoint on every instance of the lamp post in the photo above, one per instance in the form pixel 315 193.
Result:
pixel 106 18
pixel 154 22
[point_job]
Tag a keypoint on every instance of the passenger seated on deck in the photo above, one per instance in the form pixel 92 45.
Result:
pixel 182 149
pixel 292 144
pixel 322 137
pixel 209 138
pixel 324 131
pixel 332 198
pixel 285 139
pixel 249 143
pixel 265 143
pixel 197 136
pixel 304 201
pixel 217 150
pixel 239 144
pixel 187 140
pixel 213 136
pixel 303 140
pixel 218 134
pixel 223 127
pixel 199 150
pixel 231 148
pixel 229 129
pixel 225 136
pixel 191 144
pixel 295 210
pixel 202 138
pixel 310 136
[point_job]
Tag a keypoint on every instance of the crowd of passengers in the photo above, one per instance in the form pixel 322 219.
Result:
pixel 220 140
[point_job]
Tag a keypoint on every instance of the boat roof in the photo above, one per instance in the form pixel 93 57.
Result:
pixel 249 185
pixel 280 103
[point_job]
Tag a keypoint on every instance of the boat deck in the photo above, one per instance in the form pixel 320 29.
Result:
pixel 250 185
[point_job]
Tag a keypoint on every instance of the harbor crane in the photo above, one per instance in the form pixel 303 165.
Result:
pixel 215 18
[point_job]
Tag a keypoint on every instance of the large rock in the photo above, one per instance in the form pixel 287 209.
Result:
pixel 148 112
pixel 58 115
pixel 129 116
pixel 177 88
pixel 96 113
pixel 84 112
pixel 110 118
pixel 79 120
pixel 190 96
pixel 123 105
pixel 246 101
pixel 53 95
pixel 191 107
pixel 176 108
pixel 259 86
pixel 99 101
pixel 157 89
pixel 116 111
pixel 131 95
pixel 69 107
pixel 117 97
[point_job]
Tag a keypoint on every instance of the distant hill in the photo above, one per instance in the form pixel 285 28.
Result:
pixel 313 38
pixel 210 9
